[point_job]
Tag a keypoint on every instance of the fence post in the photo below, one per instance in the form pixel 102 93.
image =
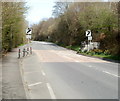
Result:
pixel 23 52
pixel 18 53
pixel 31 50
pixel 27 51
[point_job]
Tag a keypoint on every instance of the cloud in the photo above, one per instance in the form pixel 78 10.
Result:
pixel 39 10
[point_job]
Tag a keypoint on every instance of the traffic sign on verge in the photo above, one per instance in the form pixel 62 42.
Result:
pixel 28 36
pixel 89 37
pixel 29 31
pixel 88 33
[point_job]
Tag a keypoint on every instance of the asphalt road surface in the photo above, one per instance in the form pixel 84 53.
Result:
pixel 53 72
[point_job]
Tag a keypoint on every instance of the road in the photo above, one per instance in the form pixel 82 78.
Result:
pixel 53 72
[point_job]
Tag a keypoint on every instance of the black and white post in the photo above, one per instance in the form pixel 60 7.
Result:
pixel 89 35
pixel 28 35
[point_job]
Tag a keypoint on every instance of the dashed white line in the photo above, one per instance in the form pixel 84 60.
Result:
pixel 43 72
pixel 90 66
pixel 76 61
pixel 32 72
pixel 35 84
pixel 94 67
pixel 51 91
pixel 105 72
pixel 110 73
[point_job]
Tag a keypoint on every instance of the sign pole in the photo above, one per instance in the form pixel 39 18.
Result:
pixel 28 45
pixel 28 36
pixel 88 45
pixel 89 36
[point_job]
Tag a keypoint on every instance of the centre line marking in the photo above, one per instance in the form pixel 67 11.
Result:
pixel 51 91
pixel 90 66
pixel 31 72
pixel 35 84
pixel 110 73
pixel 76 61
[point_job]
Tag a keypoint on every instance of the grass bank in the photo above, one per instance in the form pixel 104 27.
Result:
pixel 94 53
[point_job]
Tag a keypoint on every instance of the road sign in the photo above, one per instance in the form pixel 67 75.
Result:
pixel 89 37
pixel 88 33
pixel 28 31
pixel 28 36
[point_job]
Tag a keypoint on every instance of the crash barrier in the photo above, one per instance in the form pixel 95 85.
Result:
pixel 24 52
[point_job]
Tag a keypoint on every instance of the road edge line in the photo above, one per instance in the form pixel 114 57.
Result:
pixel 51 91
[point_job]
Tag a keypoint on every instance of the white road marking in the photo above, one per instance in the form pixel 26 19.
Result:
pixel 35 84
pixel 76 61
pixel 106 72
pixel 31 72
pixel 43 72
pixel 110 73
pixel 94 67
pixel 51 91
pixel 90 66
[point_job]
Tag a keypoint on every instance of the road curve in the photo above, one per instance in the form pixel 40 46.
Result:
pixel 58 73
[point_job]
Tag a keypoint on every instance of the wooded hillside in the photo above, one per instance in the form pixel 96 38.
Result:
pixel 71 20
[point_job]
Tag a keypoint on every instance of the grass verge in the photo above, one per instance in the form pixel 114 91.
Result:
pixel 101 55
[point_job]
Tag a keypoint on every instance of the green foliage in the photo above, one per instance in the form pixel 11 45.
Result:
pixel 69 27
pixel 100 53
pixel 76 48
pixel 97 51
pixel 107 52
pixel 13 24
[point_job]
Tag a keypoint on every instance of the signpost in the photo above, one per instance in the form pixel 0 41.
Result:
pixel 28 36
pixel 28 33
pixel 29 49
pixel 89 35
pixel 90 38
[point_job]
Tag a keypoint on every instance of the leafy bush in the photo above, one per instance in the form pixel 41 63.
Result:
pixel 98 51
pixel 13 25
pixel 107 52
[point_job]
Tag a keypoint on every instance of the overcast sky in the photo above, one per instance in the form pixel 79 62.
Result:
pixel 38 10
